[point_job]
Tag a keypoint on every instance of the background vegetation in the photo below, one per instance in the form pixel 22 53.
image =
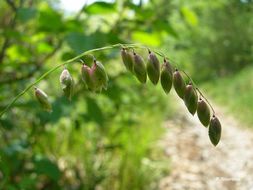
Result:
pixel 109 140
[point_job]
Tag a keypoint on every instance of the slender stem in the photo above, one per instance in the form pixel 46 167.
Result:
pixel 127 46
pixel 206 100
pixel 189 78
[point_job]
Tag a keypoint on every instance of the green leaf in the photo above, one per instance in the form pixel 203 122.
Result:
pixel 45 166
pixel 49 20
pixel 141 13
pixel 189 16
pixel 79 42
pixel 26 14
pixel 18 53
pixel 100 8
pixel 162 25
pixel 10 33
pixel 151 39
pixel 44 47
pixel 27 183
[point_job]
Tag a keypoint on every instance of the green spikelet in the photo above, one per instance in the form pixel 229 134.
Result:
pixel 203 112
pixel 191 99
pixel 43 99
pixel 127 59
pixel 86 73
pixel 179 84
pixel 99 76
pixel 166 76
pixel 67 83
pixel 88 59
pixel 140 68
pixel 214 131
pixel 153 68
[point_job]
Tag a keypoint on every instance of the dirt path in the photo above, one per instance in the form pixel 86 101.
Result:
pixel 197 165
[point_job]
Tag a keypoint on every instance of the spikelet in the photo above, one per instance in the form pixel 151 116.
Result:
pixel 166 76
pixel 127 59
pixel 214 130
pixel 191 98
pixel 86 73
pixel 153 68
pixel 203 112
pixel 67 83
pixel 179 84
pixel 140 68
pixel 43 99
pixel 99 76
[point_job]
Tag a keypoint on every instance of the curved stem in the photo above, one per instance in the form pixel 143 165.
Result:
pixel 127 46
pixel 201 94
pixel 205 99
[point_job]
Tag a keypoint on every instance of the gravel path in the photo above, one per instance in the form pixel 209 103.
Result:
pixel 197 165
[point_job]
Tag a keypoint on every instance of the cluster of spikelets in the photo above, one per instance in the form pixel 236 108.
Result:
pixel 96 79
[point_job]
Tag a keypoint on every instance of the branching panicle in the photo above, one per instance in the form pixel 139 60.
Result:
pixel 95 78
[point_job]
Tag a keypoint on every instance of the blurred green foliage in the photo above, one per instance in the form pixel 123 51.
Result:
pixel 215 37
pixel 235 93
pixel 108 140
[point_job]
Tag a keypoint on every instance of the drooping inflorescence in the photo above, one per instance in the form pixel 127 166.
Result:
pixel 95 79
pixel 169 77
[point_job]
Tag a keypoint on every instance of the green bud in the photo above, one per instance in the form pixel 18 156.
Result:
pixel 140 68
pixel 179 84
pixel 166 76
pixel 214 131
pixel 67 83
pixel 99 76
pixel 191 99
pixel 203 112
pixel 153 68
pixel 88 59
pixel 86 77
pixel 43 99
pixel 127 59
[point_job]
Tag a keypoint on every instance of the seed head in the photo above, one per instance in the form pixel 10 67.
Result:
pixel 191 99
pixel 86 73
pixel 67 83
pixel 214 131
pixel 99 76
pixel 140 68
pixel 179 84
pixel 153 68
pixel 43 99
pixel 166 77
pixel 203 112
pixel 127 59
